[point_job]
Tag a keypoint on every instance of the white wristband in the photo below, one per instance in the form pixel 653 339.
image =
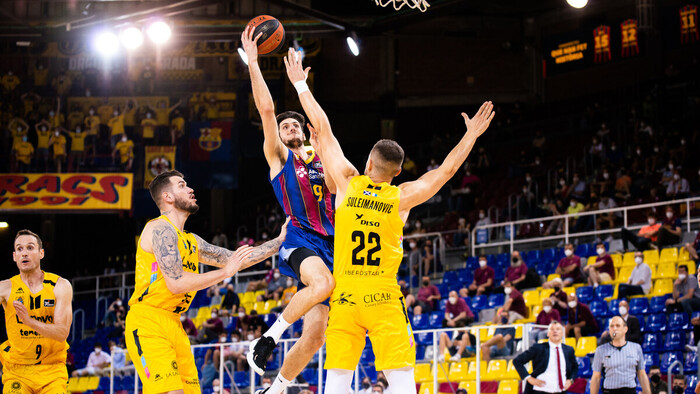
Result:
pixel 301 87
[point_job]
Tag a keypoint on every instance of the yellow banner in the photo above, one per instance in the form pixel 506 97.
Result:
pixel 158 160
pixel 66 192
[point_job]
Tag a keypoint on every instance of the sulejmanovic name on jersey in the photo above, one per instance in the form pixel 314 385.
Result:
pixel 381 207
pixel 302 193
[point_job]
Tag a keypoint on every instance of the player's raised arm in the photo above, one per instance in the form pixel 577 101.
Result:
pixel 419 191
pixel 334 162
pixel 217 256
pixel 62 316
pixel 160 238
pixel 275 151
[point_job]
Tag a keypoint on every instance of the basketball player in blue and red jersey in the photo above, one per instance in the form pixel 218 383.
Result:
pixel 307 253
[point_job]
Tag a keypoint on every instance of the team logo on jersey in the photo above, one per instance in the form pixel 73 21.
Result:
pixel 359 216
pixel 369 193
pixel 301 172
pixel 16 385
pixel 158 377
pixel 210 138
pixel 20 291
pixel 20 300
pixel 49 303
pixel 318 164
pixel 173 364
pixel 343 299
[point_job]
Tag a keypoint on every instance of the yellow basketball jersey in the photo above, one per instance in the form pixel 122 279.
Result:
pixel 368 235
pixel 24 345
pixel 150 288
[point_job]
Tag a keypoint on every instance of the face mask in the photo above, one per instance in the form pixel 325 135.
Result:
pixel 573 204
pixel 92 112
pixel 119 303
pixel 51 113
pixel 222 339
pixel 504 320
pixel 537 162
pixel 514 259
pixel 682 276
pixel 670 166
pixel 453 300
pixel 655 378
pixel 651 221
pixel 290 283
pixel 528 179
pixel 606 175
pixel 639 152
pixel 623 310
pixel 365 385
pixel 676 176
pixel 43 129
pixel 56 133
pixel 215 389
pixel 568 252
pixel 656 149
pixel 482 263
pixel 481 215
pixel 87 93
pixel 24 139
pixel 418 225
pixel 613 148
pixel 507 290
pixel 234 339
pixel 276 275
pixel 669 215
pixel 112 349
pixel 562 182
pixel 412 245
pixel 572 304
pixel 524 190
pixel 148 116
pixel 638 260
pixel 546 308
pixel 241 314
pixel 116 113
pixel 98 350
pixel 426 282
pixel 264 236
pixel 77 129
pixel 251 337
pixel 214 315
pixel 557 288
pixel 183 318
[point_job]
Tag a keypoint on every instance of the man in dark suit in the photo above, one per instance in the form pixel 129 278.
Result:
pixel 554 364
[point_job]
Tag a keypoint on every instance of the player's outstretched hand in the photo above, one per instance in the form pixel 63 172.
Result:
pixel 480 122
pixel 295 70
pixel 283 231
pixel 233 265
pixel 250 43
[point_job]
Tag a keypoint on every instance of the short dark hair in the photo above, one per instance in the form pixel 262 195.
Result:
pixel 684 267
pixel 99 345
pixel 29 232
pixel 390 153
pixel 651 214
pixel 291 114
pixel 161 181
pixel 679 377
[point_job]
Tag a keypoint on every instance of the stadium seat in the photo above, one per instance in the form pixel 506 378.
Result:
pixel 469 385
pixel 603 291
pixel 458 371
pixel 92 383
pixel 675 340
pixel 639 306
pixel 503 259
pixel 442 372
pixel 668 358
pixel 435 320
pixel 617 259
pixel 128 383
pixel 652 342
pixel 508 387
pixel 259 306
pixel 426 388
pixel 651 257
pixel 599 308
pixel 449 277
pixel 662 287
pixel 545 293
pixel 496 370
pixel 586 346
pixel 471 373
pixel 668 255
pixel 658 304
pixel 691 381
pixel 420 322
pixel 677 321
pixel 571 341
pixel 479 303
pixel 583 250
pixel 585 294
pixel 690 264
pixel 425 338
pixel 511 372
pixel 465 276
pixel 496 300
pixel 533 255
pixel 584 367
pixel 104 383
pixel 367 356
pixel 650 359
pixel 628 259
pixel 248 296
pixel 656 322
pixel 665 270
pixel 551 277
pixel 624 274
pixel 691 362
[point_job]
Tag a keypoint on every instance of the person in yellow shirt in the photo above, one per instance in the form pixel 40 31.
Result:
pixel 62 83
pixel 30 101
pixel 162 114
pixel 9 82
pixel 177 127
pixel 125 147
pixel 116 127
pixel 58 143
pixel 130 111
pixel 18 128
pixel 23 153
pixel 92 129
pixel 56 118
pixel 148 128
pixel 41 74
pixel 212 108
pixel 77 148
pixel 43 135
pixel 75 117
pixel 105 111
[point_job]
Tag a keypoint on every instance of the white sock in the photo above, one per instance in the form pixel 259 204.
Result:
pixel 278 385
pixel 275 332
pixel 339 381
pixel 401 380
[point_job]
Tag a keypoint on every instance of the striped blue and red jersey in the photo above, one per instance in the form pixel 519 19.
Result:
pixel 302 193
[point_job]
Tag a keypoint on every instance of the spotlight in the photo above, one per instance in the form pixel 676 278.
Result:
pixel 577 3
pixel 131 38
pixel 243 56
pixel 4 225
pixel 106 43
pixel 159 32
pixel 353 44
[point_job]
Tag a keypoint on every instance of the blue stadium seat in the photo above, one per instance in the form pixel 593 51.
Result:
pixel 533 255
pixel 496 300
pixel 656 322
pixel 639 306
pixel 479 303
pixel 604 291
pixel 444 290
pixel 650 359
pixel 542 269
pixel 424 338
pixel 435 320
pixel 675 340
pixel 584 367
pixel 269 319
pixel 465 276
pixel 442 304
pixel 585 294
pixel 500 273
pixel 652 342
pixel 658 304
pixel 583 250
pixel 367 356
pixel 691 362
pixel 472 263
pixel 603 324
pixel 128 383
pixel 468 300
pixel 691 382
pixel 310 375
pixel 614 305
pixel 668 358
pixel 420 354
pixel 503 259
pixel 599 308
pixel 420 322
pixel 677 321
pixel 449 277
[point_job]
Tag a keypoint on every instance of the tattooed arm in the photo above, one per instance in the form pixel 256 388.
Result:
pixel 211 254
pixel 161 239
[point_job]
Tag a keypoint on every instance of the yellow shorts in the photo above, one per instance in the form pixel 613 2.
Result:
pixel 382 314
pixel 160 350
pixel 35 379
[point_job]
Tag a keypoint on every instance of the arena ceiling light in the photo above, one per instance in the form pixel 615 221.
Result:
pixel 353 43
pixel 4 225
pixel 577 3
pixel 243 55
pixel 159 32
pixel 131 37
pixel 106 43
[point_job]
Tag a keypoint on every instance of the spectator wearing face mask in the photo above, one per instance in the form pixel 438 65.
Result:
pixel 148 128
pixel 235 352
pixel 415 256
pixel 581 322
pixel 92 129
pixel 216 387
pixel 603 270
pixel 501 343
pixel 608 218
pixel 211 328
pixel 546 316
pixel 125 147
pixel 639 282
pixel 569 269
pixel 646 235
pixel 116 127
pixel 457 312
pixel 461 237
pixel 77 148
pixel 275 287
pixel 189 327
pixel 110 318
pixel 43 135
pixel 679 384
pixel 96 362
pixel 667 174
pixel 559 298
pixel 58 144
pixel 515 273
pixel 23 152
pixel 231 299
pixel 515 303
pixel 686 295
pixel 378 389
pixel 425 300
pixel 634 331
pixel 575 207
pixel 118 357
pixel 484 277
pixel 670 231
pixel 381 380
pixel 658 386
pixel 622 185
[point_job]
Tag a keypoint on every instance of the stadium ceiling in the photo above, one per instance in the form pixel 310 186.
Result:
pixel 50 20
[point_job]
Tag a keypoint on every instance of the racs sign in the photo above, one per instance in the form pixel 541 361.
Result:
pixel 66 192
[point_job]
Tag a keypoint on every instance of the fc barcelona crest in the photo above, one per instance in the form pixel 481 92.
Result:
pixel 210 139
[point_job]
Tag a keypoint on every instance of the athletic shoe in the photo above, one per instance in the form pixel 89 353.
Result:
pixel 260 350
pixel 455 358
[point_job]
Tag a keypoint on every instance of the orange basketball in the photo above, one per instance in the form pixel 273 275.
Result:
pixel 272 31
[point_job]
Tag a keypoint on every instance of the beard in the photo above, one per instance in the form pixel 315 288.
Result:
pixel 293 143
pixel 187 206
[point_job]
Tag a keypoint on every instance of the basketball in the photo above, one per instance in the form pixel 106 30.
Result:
pixel 272 31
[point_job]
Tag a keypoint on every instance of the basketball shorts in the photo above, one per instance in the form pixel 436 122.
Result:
pixel 300 238
pixel 160 350
pixel 356 311
pixel 35 379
